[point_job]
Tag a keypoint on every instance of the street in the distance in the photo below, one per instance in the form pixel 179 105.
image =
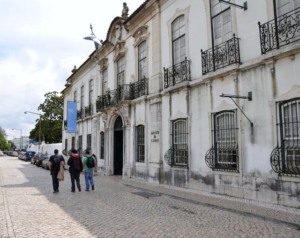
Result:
pixel 28 208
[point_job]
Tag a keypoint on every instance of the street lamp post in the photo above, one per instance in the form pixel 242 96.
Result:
pixel 40 123
pixel 21 138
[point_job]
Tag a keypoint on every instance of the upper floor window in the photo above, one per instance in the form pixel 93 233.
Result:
pixel 91 91
pixel 120 71
pixel 140 148
pixel 142 64
pixel 82 97
pixel 221 22
pixel 285 6
pixel 75 96
pixel 178 40
pixel 104 81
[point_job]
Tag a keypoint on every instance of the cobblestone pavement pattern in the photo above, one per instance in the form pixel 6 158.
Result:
pixel 28 208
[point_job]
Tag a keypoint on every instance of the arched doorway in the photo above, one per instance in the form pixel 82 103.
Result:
pixel 118 146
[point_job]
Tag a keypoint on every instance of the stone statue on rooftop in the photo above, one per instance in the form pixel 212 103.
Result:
pixel 125 10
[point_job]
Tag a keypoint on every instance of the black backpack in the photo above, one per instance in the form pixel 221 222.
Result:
pixel 90 162
pixel 77 164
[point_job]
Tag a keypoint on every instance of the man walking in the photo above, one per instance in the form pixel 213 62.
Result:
pixel 89 163
pixel 75 169
pixel 55 162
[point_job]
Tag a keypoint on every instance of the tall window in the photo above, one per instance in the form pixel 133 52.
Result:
pixel 180 142
pixel 91 91
pixel 285 6
pixel 82 97
pixel 221 22
pixel 80 145
pixel 89 141
pixel 225 140
pixel 120 71
pixel 142 54
pixel 140 148
pixel 101 145
pixel 178 40
pixel 289 129
pixel 73 142
pixel 104 81
pixel 75 96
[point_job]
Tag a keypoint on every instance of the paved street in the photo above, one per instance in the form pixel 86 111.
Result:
pixel 28 208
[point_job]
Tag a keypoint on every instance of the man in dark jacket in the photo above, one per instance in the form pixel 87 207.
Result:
pixel 75 168
pixel 55 161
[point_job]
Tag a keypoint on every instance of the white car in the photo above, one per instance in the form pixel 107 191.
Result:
pixel 1 153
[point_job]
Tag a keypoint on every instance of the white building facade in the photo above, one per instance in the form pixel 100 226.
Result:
pixel 203 95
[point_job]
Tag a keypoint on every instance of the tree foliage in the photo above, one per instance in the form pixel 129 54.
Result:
pixel 51 119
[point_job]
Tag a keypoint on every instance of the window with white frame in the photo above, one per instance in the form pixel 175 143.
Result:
pixel 142 64
pixel 75 96
pixel 121 72
pixel 104 76
pixel 285 6
pixel 91 91
pixel 82 97
pixel 140 147
pixel 225 140
pixel 221 22
pixel 179 142
pixel 178 40
pixel 289 120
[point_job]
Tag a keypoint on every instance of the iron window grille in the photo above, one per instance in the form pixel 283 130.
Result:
pixel 222 55
pixel 281 31
pixel 80 145
pixel 140 148
pixel 223 155
pixel 177 155
pixel 101 145
pixel 177 73
pixel 285 157
pixel 66 145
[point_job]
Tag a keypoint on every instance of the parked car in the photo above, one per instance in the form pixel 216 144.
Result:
pixel 29 155
pixel 34 158
pixel 1 153
pixel 39 159
pixel 22 155
pixel 45 163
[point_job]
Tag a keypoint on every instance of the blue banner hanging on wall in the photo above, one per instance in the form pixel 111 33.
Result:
pixel 71 116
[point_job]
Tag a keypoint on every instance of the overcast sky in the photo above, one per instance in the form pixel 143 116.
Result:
pixel 41 41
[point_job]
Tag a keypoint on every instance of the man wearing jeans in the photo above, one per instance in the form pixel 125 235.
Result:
pixel 89 171
pixel 55 162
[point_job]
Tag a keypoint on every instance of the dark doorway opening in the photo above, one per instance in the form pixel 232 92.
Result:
pixel 118 146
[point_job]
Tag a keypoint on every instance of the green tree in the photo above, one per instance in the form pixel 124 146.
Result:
pixel 51 119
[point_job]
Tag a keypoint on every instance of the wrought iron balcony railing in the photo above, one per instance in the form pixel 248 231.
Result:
pixel 280 32
pixel 286 161
pixel 220 56
pixel 223 159
pixel 113 97
pixel 88 111
pixel 177 157
pixel 80 114
pixel 139 88
pixel 177 73
pixel 124 92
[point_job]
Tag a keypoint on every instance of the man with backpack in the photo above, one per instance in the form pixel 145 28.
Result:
pixel 56 162
pixel 89 163
pixel 75 168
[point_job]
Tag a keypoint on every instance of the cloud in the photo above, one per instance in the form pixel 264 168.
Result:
pixel 41 41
